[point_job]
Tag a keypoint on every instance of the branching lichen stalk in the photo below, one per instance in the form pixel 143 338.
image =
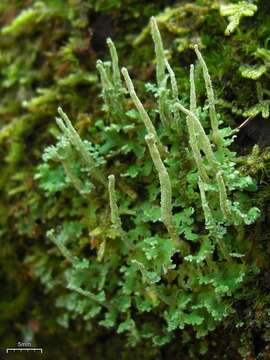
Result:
pixel 160 57
pixel 193 102
pixel 172 79
pixel 211 99
pixel 112 89
pixel 164 106
pixel 67 128
pixel 143 114
pixel 65 125
pixel 115 218
pixel 223 198
pixel 163 99
pixel 165 188
pixel 210 222
pixel 174 90
pixel 89 295
pixel 105 81
pixel 115 65
pixel 77 183
pixel 202 137
pixel 193 140
pixel 62 248
pixel 206 210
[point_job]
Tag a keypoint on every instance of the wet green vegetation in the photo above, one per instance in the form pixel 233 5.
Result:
pixel 139 219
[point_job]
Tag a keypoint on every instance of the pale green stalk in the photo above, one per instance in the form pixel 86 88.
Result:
pixel 112 86
pixel 193 102
pixel 115 218
pixel 55 154
pixel 206 209
pixel 211 99
pixel 163 100
pixel 143 114
pixel 165 189
pixel 164 106
pixel 88 294
pixel 105 81
pixel 76 182
pixel 193 140
pixel 72 135
pixel 160 56
pixel 74 138
pixel 174 91
pixel 107 86
pixel 63 249
pixel 202 137
pixel 173 80
pixel 223 198
pixel 210 222
pixel 115 64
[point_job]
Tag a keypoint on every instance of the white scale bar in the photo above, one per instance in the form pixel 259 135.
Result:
pixel 24 349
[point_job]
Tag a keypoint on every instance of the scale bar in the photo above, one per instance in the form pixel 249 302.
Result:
pixel 23 349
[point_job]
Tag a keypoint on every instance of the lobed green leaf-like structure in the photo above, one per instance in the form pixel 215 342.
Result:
pixel 235 12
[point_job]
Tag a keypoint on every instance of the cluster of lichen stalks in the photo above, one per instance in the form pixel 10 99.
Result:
pixel 208 166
